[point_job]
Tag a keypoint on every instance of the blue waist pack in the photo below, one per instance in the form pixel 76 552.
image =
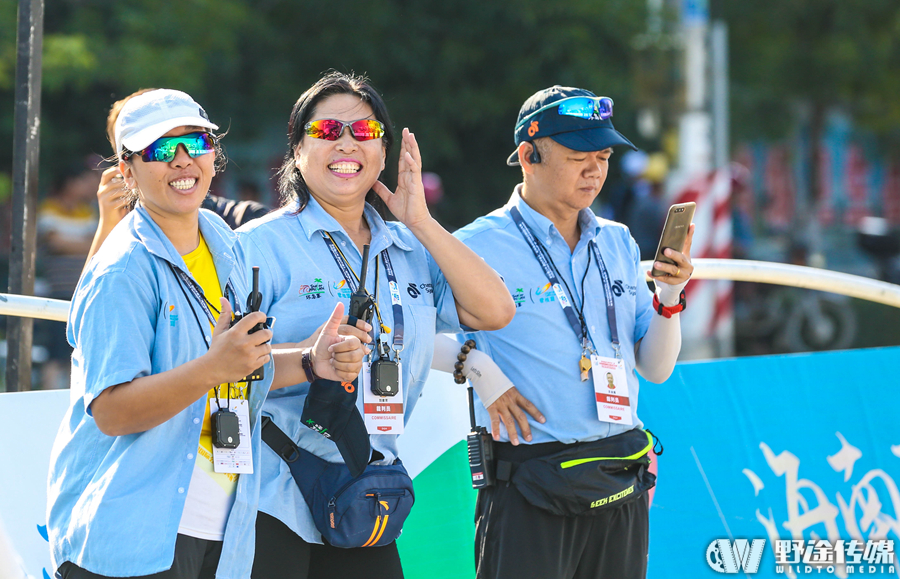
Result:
pixel 363 511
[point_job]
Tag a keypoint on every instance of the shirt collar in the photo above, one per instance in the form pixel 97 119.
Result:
pixel 314 219
pixel 219 239
pixel 539 223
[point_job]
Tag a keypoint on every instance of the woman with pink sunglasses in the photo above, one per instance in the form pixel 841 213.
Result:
pixel 421 280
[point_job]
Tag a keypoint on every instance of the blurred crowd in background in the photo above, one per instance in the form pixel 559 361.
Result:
pixel 814 143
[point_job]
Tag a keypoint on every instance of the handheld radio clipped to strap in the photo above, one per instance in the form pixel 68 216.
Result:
pixel 254 301
pixel 362 304
pixel 479 443
pixel 481 451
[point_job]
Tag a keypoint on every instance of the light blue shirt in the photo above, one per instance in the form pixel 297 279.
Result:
pixel 539 350
pixel 301 285
pixel 115 502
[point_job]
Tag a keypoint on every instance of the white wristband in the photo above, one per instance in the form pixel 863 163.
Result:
pixel 486 377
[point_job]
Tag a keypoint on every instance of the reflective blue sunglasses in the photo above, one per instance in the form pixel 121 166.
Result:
pixel 583 107
pixel 163 149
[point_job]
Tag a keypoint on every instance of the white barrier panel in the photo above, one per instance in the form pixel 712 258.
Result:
pixel 28 424
pixel 29 421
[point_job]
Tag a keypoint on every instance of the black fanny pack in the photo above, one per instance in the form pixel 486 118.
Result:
pixel 363 511
pixel 587 478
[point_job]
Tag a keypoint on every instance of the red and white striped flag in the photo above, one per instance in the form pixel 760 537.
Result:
pixel 857 186
pixel 780 189
pixel 826 187
pixel 891 193
pixel 709 326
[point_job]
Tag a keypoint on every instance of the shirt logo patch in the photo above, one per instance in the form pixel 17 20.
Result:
pixel 619 288
pixel 518 296
pixel 312 291
pixel 544 294
pixel 173 317
pixel 339 289
pixel 415 291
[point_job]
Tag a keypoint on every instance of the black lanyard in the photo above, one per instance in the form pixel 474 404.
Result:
pixel 547 265
pixel 394 288
pixel 185 280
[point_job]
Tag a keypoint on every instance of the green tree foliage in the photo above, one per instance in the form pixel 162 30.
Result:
pixel 454 72
pixel 823 54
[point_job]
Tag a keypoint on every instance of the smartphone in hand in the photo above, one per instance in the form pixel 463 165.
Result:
pixel 678 222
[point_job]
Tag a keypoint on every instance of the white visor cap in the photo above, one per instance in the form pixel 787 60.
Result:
pixel 151 115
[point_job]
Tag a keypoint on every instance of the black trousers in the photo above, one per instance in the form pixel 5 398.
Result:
pixel 281 554
pixel 514 539
pixel 194 559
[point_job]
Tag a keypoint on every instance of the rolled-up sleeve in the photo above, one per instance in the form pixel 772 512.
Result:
pixel 643 306
pixel 447 316
pixel 112 326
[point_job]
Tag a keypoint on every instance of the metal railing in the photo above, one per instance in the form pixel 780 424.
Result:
pixel 796 276
pixel 731 269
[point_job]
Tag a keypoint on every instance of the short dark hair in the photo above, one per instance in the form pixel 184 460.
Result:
pixel 291 185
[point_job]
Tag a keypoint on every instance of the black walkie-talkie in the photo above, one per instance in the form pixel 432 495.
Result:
pixel 362 304
pixel 481 451
pixel 254 301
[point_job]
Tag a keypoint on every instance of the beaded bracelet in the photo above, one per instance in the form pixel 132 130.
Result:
pixel 460 364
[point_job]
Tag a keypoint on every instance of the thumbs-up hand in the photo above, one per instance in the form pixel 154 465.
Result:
pixel 335 356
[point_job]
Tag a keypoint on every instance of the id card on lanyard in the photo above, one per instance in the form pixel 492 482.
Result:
pixel 381 377
pixel 240 459
pixel 618 412
pixel 237 458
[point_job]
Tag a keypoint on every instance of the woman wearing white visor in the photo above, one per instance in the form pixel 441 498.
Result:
pixel 151 471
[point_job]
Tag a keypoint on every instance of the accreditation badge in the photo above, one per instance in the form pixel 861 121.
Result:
pixel 611 390
pixel 234 460
pixel 382 415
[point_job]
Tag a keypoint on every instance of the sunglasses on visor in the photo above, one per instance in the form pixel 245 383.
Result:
pixel 332 129
pixel 163 149
pixel 591 108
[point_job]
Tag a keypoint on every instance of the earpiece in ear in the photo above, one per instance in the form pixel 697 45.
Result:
pixel 535 157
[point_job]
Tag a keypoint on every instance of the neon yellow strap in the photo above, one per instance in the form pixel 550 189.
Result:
pixel 646 449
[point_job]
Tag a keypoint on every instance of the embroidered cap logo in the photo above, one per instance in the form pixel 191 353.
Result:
pixel 533 129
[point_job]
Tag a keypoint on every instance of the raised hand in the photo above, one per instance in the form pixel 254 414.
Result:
pixel 360 330
pixel 336 356
pixel 111 196
pixel 407 203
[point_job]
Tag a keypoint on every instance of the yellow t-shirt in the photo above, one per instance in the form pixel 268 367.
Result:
pixel 211 494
